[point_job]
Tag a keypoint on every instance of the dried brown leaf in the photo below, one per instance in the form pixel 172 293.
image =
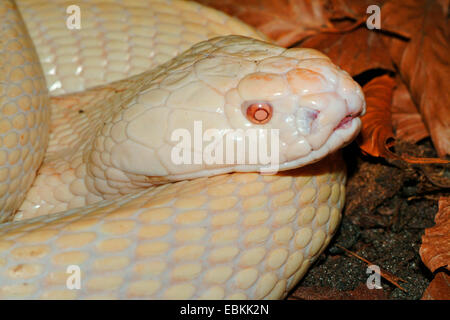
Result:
pixel 396 48
pixel 377 134
pixel 284 21
pixel 435 248
pixel 439 288
pixel 355 51
pixel 406 18
pixel 424 61
pixel 340 9
pixel 376 123
pixel 406 119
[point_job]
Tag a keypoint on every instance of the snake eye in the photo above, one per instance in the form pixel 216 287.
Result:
pixel 259 112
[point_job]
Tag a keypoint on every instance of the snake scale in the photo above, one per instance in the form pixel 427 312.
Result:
pixel 86 174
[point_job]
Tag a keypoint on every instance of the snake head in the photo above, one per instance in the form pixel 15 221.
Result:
pixel 313 104
pixel 194 113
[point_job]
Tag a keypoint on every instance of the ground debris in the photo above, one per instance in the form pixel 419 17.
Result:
pixel 387 211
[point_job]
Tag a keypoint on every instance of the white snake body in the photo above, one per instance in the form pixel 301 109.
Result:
pixel 86 168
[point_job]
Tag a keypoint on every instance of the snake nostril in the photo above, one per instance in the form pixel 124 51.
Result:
pixel 305 118
pixel 258 112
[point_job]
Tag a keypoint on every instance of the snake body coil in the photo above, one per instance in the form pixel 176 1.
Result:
pixel 87 170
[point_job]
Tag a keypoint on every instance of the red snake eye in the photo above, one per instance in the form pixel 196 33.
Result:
pixel 259 113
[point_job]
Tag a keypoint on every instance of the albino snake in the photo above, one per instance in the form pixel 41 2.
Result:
pixel 86 174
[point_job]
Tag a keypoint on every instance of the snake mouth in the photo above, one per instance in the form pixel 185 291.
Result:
pixel 346 121
pixel 344 133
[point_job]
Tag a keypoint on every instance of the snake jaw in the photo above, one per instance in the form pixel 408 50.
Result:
pixel 345 122
pixel 338 139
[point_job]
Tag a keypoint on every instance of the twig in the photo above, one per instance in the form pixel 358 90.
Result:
pixel 386 275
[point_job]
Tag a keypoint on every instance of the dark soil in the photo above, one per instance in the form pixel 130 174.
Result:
pixel 388 207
